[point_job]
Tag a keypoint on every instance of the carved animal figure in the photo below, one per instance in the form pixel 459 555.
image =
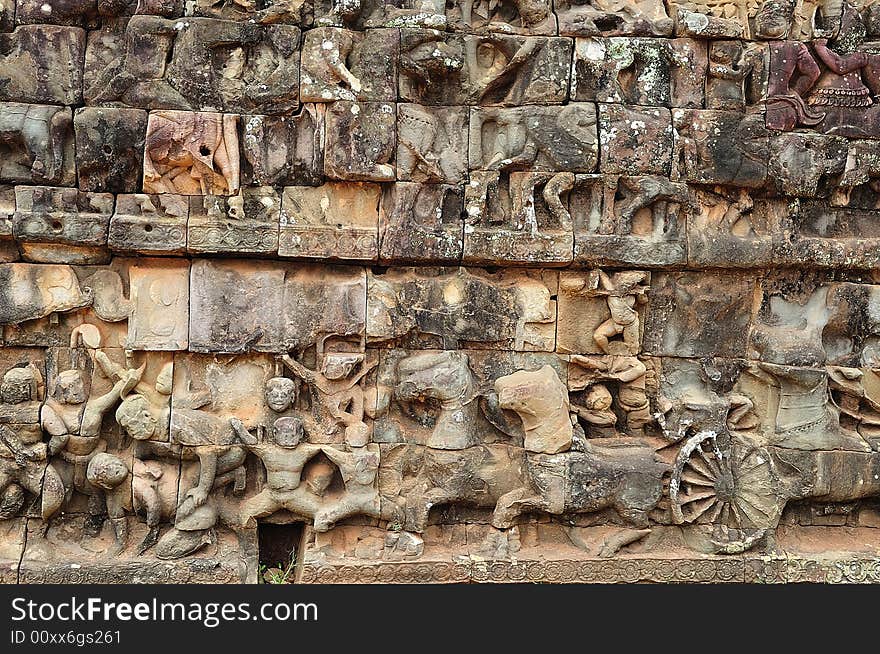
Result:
pixel 40 130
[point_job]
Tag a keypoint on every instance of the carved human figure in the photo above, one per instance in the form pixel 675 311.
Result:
pixel 417 132
pixel 187 435
pixel 630 372
pixel 596 412
pixel 22 453
pixel 73 422
pixel 337 384
pixel 727 71
pixel 623 291
pixel 329 66
pixel 793 69
pixel 191 153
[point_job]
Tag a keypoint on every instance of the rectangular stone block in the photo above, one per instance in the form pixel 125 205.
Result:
pixel 281 150
pixel 698 314
pixel 333 221
pixel 191 153
pixel 452 307
pixel 432 143
pixel 629 221
pixel 544 139
pixel 62 225
pixel 247 222
pixel 160 290
pixel 604 18
pixel 720 147
pixel 520 218
pixel 110 148
pixel 149 224
pixel 36 144
pixel 31 51
pixel 339 64
pixel 360 141
pixel 635 140
pixel 420 222
pixel 640 71
pixel 495 70
pixel 198 64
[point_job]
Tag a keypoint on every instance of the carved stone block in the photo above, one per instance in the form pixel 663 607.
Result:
pixel 244 305
pixel 634 141
pixel 62 225
pixel 339 64
pixel 110 148
pixel 335 220
pixel 439 68
pixel 32 291
pixel 518 218
pixel 280 150
pixel 191 153
pixel 43 63
pixel 720 147
pixel 629 220
pixel 734 229
pixel 199 64
pixel 545 139
pixel 653 72
pixel 274 11
pixel 36 144
pixel 160 305
pixel 640 18
pixel 432 144
pixel 601 313
pixel 421 222
pixel 360 141
pixel 704 19
pixel 149 224
pixel 450 307
pixel 506 17
pixel 698 314
pixel 67 12
pixel 800 165
pixel 247 222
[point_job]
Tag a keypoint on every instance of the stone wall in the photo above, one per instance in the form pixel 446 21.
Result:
pixel 488 291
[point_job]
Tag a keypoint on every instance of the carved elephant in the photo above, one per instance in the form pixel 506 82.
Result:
pixel 41 131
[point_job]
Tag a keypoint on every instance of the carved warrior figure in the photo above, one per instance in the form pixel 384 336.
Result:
pixel 191 153
pixel 336 383
pixel 22 453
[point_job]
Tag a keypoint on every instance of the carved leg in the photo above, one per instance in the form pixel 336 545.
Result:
pixel 511 505
pixel 259 506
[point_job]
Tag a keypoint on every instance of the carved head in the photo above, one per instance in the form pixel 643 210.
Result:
pixel 287 432
pixel 533 12
pixel 338 365
pixel 318 476
pixel 18 385
pixel 598 398
pixel 774 18
pixel 106 471
pixel 725 52
pixel 70 387
pixel 135 417
pixel 281 393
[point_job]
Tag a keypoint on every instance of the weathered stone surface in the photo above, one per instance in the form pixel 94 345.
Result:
pixel 442 68
pixel 653 72
pixel 280 150
pixel 334 220
pixel 546 139
pixel 247 222
pixel 421 222
pixel 339 64
pixel 62 225
pixel 432 144
pixel 190 153
pixel 506 310
pixel 634 141
pixel 360 141
pixel 638 18
pixel 199 64
pixel 150 224
pixel 36 144
pixel 110 148
pixel 43 63
pixel 160 305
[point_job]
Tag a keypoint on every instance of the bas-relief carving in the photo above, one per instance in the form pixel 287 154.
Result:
pixel 687 366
